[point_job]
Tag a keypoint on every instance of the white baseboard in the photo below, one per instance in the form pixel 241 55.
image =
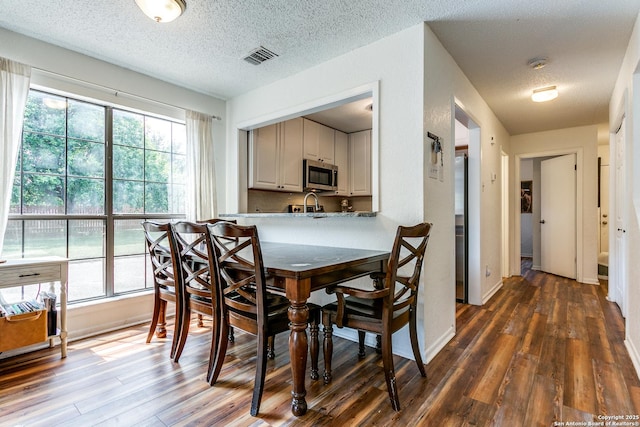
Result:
pixel 633 354
pixel 439 344
pixel 495 288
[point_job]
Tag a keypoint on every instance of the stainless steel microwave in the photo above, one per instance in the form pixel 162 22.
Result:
pixel 319 176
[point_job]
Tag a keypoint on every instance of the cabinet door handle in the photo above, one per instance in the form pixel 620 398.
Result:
pixel 29 275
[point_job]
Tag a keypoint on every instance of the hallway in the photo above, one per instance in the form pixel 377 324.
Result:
pixel 543 349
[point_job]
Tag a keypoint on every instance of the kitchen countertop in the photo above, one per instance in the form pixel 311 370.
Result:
pixel 355 214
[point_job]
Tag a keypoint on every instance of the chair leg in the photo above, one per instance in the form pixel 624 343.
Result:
pixel 162 322
pixel 232 337
pixel 378 344
pixel 413 335
pixel 261 370
pixel 200 321
pixel 389 372
pixel 217 355
pixel 184 332
pixel 271 354
pixel 361 353
pixel 314 348
pixel 177 330
pixel 328 348
pixel 154 318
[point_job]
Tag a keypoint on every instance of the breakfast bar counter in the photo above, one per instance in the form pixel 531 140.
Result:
pixel 356 214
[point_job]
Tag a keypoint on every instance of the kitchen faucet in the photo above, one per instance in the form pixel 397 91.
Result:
pixel 311 193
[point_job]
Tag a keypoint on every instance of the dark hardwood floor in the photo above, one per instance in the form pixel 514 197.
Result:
pixel 543 350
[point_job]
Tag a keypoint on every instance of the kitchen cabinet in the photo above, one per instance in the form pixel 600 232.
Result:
pixel 275 156
pixel 342 161
pixel 360 163
pixel 318 142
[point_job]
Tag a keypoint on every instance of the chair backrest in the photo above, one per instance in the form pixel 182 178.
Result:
pixel 194 253
pixel 405 266
pixel 241 284
pixel 162 253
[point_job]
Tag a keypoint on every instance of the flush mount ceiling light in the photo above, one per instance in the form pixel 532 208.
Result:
pixel 162 10
pixel 544 94
pixel 538 63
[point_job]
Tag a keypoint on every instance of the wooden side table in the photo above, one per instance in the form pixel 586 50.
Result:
pixel 19 272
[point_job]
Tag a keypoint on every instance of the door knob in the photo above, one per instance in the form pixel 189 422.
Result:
pixel 542 221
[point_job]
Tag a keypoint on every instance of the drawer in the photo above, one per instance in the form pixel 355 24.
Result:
pixel 23 329
pixel 28 275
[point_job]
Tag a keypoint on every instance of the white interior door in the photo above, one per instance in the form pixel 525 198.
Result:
pixel 619 260
pixel 558 216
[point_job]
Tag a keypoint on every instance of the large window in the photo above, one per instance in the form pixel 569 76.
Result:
pixel 86 176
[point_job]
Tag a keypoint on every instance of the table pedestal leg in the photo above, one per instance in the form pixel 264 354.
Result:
pixel 299 317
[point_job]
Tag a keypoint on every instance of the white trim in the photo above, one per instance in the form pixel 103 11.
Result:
pixel 504 256
pixel 431 351
pixel 633 354
pixel 474 191
pixel 495 288
pixel 368 90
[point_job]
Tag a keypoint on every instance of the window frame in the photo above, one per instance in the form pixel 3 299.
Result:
pixel 108 217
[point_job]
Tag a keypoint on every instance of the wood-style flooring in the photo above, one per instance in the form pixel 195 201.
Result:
pixel 544 350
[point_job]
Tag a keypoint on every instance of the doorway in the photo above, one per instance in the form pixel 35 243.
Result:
pixel 467 208
pixel 577 240
pixel 461 225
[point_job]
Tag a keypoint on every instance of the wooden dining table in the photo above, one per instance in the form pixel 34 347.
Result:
pixel 300 270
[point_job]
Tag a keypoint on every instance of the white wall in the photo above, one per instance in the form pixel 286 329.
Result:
pixel 394 64
pixel 64 70
pixel 446 85
pixel 626 101
pixel 418 81
pixel 582 140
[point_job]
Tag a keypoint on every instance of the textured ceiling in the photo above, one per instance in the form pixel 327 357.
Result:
pixel 491 40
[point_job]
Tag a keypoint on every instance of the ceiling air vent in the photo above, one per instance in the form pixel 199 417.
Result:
pixel 259 55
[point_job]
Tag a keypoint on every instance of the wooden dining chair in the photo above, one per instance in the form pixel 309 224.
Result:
pixel 247 304
pixel 385 309
pixel 194 253
pixel 166 275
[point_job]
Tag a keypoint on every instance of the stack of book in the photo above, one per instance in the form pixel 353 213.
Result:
pixel 12 309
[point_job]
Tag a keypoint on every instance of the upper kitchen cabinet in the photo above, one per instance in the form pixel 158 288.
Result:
pixel 342 161
pixel 275 156
pixel 318 142
pixel 359 163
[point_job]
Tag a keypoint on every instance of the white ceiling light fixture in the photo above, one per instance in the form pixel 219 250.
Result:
pixel 162 10
pixel 544 94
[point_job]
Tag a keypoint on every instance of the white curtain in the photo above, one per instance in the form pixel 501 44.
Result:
pixel 14 89
pixel 201 167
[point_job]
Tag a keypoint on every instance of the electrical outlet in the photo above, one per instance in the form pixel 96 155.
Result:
pixel 487 271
